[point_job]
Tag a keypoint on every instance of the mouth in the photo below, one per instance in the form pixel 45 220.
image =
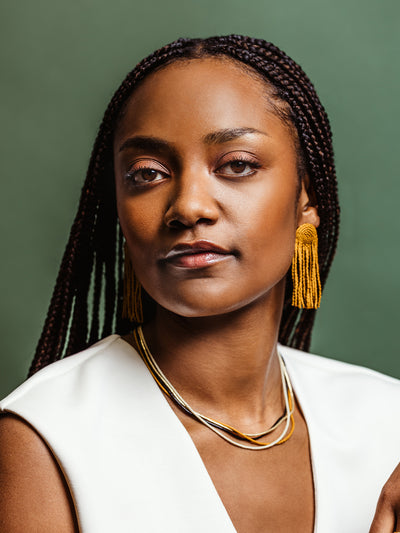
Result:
pixel 197 254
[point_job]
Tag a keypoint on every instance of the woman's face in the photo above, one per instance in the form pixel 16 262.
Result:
pixel 207 188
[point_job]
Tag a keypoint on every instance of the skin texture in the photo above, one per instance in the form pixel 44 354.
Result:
pixel 216 325
pixel 33 496
pixel 387 515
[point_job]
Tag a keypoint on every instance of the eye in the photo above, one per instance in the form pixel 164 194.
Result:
pixel 239 166
pixel 142 175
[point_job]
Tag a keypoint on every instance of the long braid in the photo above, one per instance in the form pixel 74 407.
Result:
pixel 94 250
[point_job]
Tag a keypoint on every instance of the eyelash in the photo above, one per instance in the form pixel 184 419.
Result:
pixel 131 175
pixel 243 159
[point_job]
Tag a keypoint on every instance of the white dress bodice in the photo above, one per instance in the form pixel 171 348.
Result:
pixel 98 410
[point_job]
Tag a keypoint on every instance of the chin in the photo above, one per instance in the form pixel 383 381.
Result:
pixel 197 311
pixel 217 299
pixel 207 306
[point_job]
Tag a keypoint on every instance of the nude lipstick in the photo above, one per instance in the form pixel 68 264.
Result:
pixel 197 254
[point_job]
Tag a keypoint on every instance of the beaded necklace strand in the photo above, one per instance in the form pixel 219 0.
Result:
pixel 220 428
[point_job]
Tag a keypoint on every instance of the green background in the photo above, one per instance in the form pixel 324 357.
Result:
pixel 60 63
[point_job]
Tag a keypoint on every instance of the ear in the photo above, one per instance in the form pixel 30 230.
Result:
pixel 307 210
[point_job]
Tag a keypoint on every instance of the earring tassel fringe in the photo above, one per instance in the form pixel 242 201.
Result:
pixel 305 269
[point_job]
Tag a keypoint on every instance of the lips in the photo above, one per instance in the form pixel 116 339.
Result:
pixel 198 254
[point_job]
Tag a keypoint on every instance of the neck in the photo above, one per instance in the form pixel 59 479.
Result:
pixel 224 366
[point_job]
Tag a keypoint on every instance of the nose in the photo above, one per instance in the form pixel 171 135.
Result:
pixel 192 200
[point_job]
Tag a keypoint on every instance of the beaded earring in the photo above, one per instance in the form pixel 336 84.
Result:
pixel 132 302
pixel 305 269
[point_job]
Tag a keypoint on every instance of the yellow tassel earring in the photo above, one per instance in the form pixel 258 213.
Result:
pixel 305 269
pixel 132 302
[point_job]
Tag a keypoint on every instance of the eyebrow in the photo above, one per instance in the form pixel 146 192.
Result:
pixel 216 137
pixel 229 134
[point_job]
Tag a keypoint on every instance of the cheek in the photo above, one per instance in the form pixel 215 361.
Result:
pixel 135 216
pixel 269 227
pixel 139 225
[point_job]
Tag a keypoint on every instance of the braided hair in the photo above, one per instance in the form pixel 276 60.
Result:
pixel 87 298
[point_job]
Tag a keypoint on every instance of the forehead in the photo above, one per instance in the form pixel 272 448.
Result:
pixel 196 96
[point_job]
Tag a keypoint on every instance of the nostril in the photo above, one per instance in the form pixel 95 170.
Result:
pixel 176 224
pixel 181 223
pixel 207 221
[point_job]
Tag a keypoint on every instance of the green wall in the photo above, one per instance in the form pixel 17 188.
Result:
pixel 61 61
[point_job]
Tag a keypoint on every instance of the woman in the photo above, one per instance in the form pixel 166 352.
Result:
pixel 214 165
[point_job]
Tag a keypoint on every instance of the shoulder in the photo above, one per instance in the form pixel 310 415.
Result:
pixel 66 398
pixel 343 393
pixel 63 377
pixel 56 426
pixel 337 373
pixel 33 492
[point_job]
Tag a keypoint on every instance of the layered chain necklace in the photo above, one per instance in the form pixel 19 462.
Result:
pixel 225 431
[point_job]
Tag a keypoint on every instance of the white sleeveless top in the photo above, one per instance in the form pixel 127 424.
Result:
pixel 96 409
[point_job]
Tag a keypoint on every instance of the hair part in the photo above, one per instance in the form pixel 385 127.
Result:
pixel 87 300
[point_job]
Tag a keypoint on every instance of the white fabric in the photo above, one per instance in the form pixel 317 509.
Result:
pixel 95 410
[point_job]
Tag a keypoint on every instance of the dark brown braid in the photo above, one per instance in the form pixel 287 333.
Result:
pixel 87 299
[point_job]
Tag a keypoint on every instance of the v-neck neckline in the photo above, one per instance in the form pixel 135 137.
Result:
pixel 196 454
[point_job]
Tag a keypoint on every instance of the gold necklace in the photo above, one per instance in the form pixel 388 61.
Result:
pixel 220 428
